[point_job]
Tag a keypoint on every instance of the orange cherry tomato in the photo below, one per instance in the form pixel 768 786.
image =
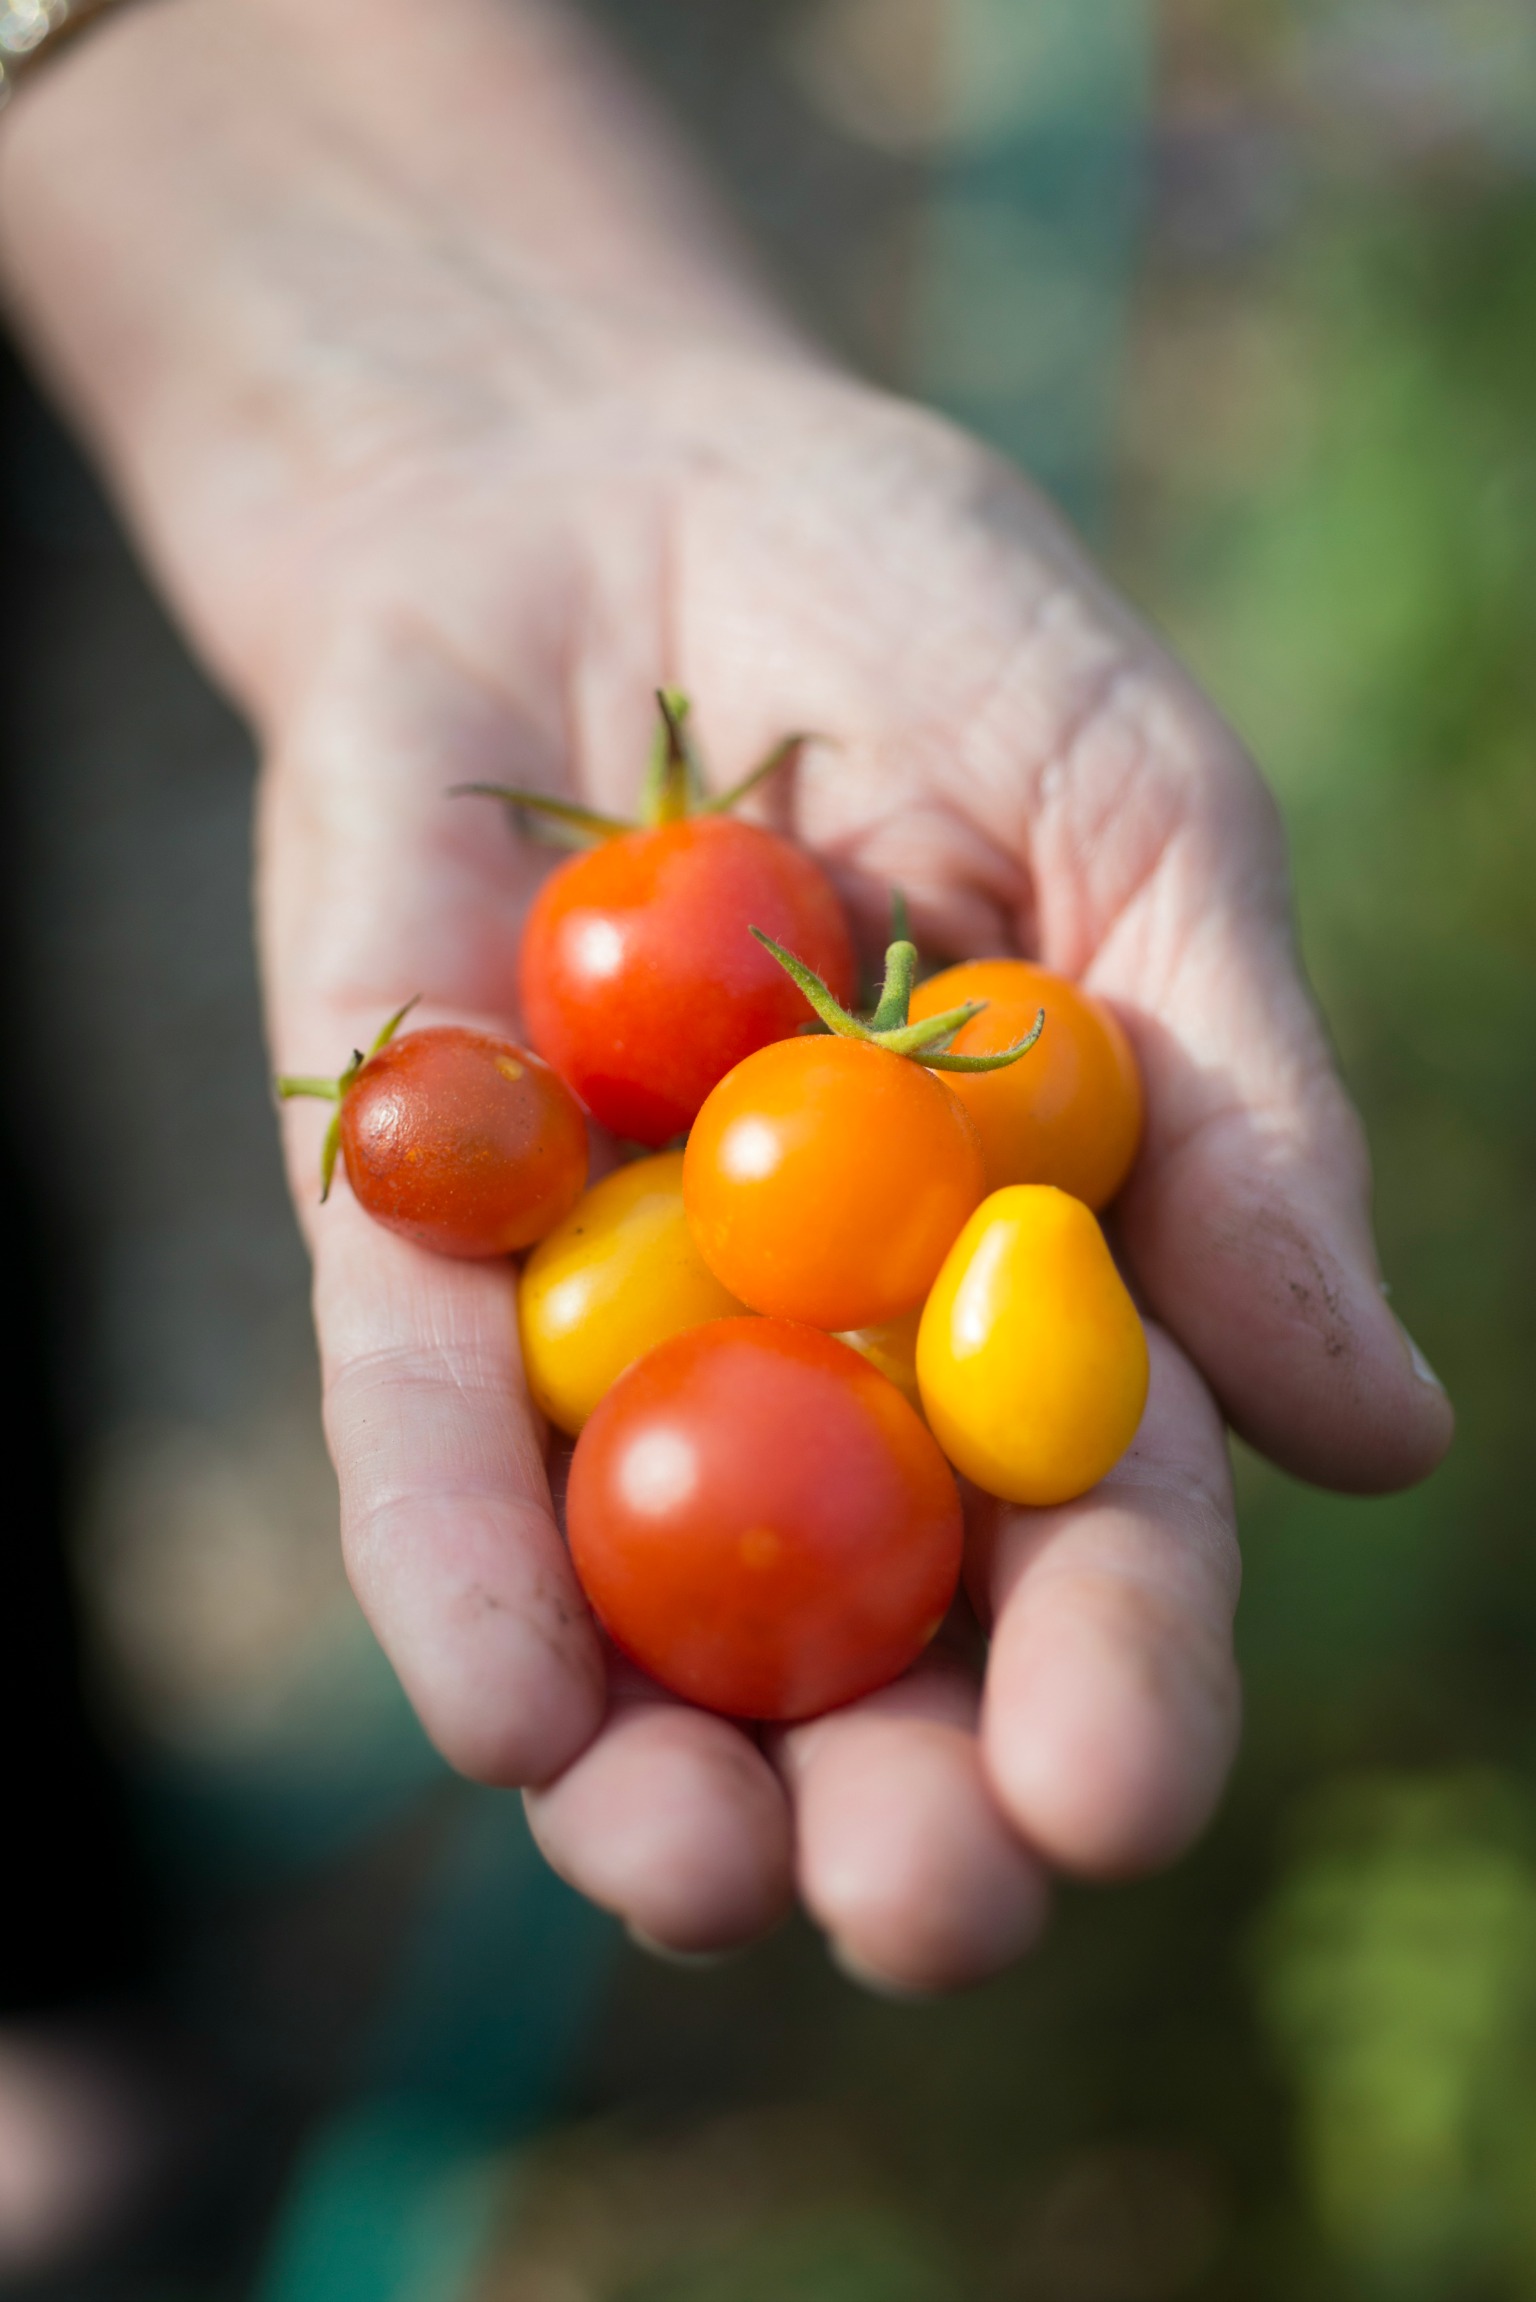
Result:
pixel 826 1179
pixel 1070 1112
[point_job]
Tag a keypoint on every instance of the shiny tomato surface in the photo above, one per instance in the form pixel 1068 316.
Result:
pixel 892 1347
pixel 1069 1112
pixel 620 1275
pixel 463 1142
pixel 761 1521
pixel 827 1179
pixel 640 982
pixel 1031 1356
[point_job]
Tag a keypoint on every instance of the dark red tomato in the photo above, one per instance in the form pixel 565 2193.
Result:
pixel 463 1142
pixel 640 983
pixel 761 1521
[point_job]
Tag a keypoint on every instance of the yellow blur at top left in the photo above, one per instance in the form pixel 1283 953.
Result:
pixel 620 1275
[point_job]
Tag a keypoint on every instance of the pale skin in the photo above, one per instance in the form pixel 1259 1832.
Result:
pixel 451 422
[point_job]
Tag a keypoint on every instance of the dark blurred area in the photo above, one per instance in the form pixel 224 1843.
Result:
pixel 1253 288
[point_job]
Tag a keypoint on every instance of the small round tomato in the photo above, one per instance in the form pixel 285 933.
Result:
pixel 620 1275
pixel 639 980
pixel 1071 1114
pixel 1031 1358
pixel 825 1180
pixel 892 1347
pixel 462 1141
pixel 761 1521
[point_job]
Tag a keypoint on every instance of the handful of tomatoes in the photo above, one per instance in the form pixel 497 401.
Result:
pixel 875 1262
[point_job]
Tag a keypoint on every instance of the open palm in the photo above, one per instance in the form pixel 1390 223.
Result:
pixel 1001 741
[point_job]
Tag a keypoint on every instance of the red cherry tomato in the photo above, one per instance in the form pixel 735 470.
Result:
pixel 761 1521
pixel 640 982
pixel 462 1142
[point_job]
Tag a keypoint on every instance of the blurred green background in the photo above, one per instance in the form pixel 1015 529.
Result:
pixel 1304 2065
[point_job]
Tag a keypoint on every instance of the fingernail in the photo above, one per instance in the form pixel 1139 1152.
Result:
pixel 668 1956
pixel 1418 1362
pixel 848 1962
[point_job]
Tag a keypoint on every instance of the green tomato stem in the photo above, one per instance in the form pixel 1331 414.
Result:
pixel 831 1010
pixel 559 821
pixel 946 1062
pixel 917 1041
pixel 909 1038
pixel 328 1151
pixel 782 752
pixel 673 789
pixel 388 1030
pixel 896 991
pixel 334 1091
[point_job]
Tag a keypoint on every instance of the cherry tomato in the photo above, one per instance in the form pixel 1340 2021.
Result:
pixel 761 1521
pixel 463 1142
pixel 892 1347
pixel 1071 1113
pixel 620 1275
pixel 640 982
pixel 826 1179
pixel 1030 1356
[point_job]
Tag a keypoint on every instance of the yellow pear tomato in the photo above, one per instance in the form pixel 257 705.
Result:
pixel 893 1349
pixel 620 1275
pixel 1031 1358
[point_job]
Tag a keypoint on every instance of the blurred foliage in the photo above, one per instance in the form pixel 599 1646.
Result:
pixel 1304 2066
pixel 1396 1969
pixel 1332 488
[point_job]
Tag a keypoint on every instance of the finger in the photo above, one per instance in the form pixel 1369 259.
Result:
pixel 447 1531
pixel 1160 866
pixel 1248 1225
pixel 375 885
pixel 1112 1707
pixel 905 1857
pixel 1146 857
pixel 673 1819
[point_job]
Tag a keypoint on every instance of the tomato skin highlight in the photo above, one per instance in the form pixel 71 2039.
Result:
pixel 463 1142
pixel 620 1275
pixel 892 1347
pixel 1031 1358
pixel 761 1521
pixel 1070 1113
pixel 826 1179
pixel 639 981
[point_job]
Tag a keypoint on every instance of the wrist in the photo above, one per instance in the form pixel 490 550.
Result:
pixel 254 242
pixel 501 125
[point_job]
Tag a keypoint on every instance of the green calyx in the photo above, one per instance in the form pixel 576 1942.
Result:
pixel 334 1091
pixel 926 1042
pixel 673 790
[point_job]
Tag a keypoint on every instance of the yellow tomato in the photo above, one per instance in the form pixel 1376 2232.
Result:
pixel 620 1275
pixel 1031 1358
pixel 893 1349
pixel 1069 1112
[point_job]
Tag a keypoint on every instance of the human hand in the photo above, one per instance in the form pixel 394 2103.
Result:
pixel 436 523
